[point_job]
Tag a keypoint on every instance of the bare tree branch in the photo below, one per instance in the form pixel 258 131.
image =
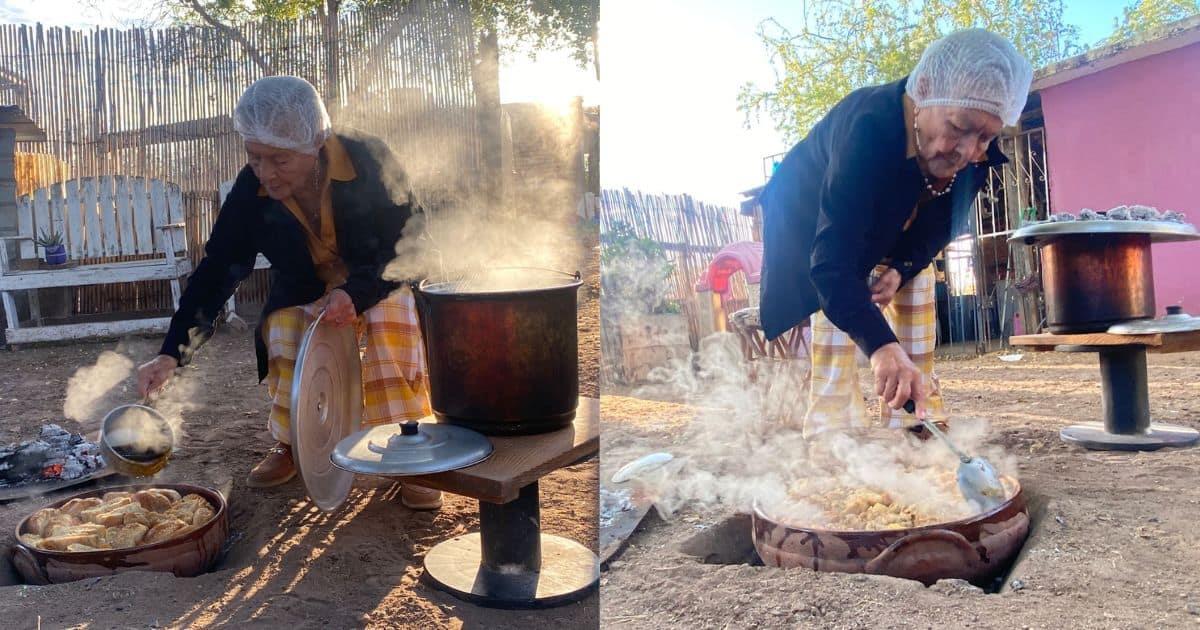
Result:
pixel 233 34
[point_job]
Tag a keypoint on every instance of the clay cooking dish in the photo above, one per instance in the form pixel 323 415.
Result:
pixel 187 555
pixel 975 549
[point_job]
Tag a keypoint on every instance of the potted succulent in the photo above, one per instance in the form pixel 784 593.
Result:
pixel 52 244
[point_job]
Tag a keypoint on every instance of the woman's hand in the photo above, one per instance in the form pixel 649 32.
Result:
pixel 884 289
pixel 154 374
pixel 339 308
pixel 896 378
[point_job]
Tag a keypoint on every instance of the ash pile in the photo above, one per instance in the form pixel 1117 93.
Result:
pixel 1121 213
pixel 612 504
pixel 55 454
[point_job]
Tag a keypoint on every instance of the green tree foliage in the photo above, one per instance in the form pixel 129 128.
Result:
pixel 846 44
pixel 523 25
pixel 635 273
pixel 1145 16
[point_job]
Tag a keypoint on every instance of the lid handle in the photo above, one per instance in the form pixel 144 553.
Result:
pixel 1175 310
pixel 410 427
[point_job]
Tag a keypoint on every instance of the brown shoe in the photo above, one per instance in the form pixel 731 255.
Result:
pixel 275 469
pixel 419 497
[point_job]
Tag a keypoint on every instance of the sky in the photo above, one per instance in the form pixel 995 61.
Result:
pixel 671 73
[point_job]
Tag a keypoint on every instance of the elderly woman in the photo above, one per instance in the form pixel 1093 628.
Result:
pixel 326 209
pixel 856 212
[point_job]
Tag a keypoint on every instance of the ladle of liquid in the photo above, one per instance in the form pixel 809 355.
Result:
pixel 136 440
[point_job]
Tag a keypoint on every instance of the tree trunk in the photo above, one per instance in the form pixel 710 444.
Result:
pixel 485 75
pixel 596 54
pixel 332 37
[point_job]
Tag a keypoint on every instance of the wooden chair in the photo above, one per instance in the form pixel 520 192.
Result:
pixel 755 346
pixel 101 219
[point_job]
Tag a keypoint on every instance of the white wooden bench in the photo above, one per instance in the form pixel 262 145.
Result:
pixel 100 218
pixel 261 262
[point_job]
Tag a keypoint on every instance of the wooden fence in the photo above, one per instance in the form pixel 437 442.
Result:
pixel 691 232
pixel 157 103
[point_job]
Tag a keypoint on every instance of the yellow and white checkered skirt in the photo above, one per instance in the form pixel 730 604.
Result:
pixel 393 367
pixel 835 398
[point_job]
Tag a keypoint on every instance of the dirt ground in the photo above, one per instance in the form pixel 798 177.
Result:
pixel 1114 541
pixel 288 565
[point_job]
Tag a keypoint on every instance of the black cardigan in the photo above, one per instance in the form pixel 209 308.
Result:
pixel 370 213
pixel 836 207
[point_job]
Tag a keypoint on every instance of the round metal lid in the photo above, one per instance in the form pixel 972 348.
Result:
pixel 326 407
pixel 1159 231
pixel 1171 323
pixel 411 448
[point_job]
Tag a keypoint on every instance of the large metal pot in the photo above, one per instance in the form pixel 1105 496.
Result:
pixel 1093 281
pixel 502 350
pixel 1098 273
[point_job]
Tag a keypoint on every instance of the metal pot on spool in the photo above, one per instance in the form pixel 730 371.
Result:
pixel 1098 273
pixel 502 349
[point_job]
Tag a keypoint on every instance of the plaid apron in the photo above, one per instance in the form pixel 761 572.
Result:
pixel 835 398
pixel 393 366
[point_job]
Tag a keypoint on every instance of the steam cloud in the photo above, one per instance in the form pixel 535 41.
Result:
pixel 744 446
pixel 532 224
pixel 464 241
pixel 95 390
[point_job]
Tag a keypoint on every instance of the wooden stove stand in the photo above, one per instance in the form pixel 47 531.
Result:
pixel 1126 396
pixel 510 563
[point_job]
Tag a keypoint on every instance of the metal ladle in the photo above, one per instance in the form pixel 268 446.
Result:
pixel 977 479
pixel 136 440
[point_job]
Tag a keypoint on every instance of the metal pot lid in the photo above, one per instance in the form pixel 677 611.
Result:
pixel 326 407
pixel 1174 321
pixel 1159 231
pixel 411 448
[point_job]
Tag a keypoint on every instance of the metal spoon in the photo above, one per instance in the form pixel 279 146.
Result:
pixel 977 479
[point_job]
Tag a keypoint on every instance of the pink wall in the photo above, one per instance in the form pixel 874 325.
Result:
pixel 1131 134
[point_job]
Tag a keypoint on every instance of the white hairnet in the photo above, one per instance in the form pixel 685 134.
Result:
pixel 282 112
pixel 976 69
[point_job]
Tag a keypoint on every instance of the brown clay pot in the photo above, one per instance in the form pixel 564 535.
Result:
pixel 186 556
pixel 973 549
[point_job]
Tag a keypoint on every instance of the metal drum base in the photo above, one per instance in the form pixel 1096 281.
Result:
pixel 1093 435
pixel 568 574
pixel 510 563
pixel 1125 395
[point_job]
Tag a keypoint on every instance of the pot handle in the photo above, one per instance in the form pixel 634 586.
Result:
pixel 894 561
pixel 28 566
